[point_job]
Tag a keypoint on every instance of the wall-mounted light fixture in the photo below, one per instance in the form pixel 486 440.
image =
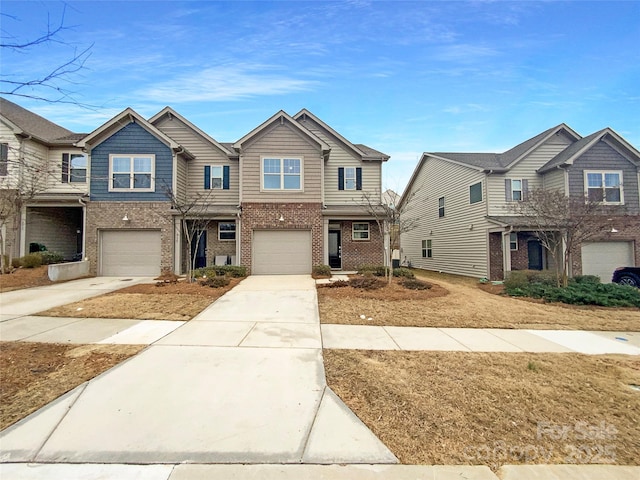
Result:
pixel 613 230
pixel 281 219
pixel 125 218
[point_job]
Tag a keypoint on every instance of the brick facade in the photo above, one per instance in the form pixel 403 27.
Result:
pixel 218 247
pixel 266 216
pixel 142 216
pixel 496 261
pixel 361 252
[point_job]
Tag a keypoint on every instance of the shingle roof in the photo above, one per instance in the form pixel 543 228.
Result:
pixel 371 152
pixel 33 124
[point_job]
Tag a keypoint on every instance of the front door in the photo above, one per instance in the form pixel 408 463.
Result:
pixel 335 249
pixel 199 248
pixel 534 248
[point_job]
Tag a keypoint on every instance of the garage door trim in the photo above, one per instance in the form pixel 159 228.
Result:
pixel 149 248
pixel 281 252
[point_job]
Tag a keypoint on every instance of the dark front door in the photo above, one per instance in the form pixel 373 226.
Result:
pixel 535 255
pixel 199 248
pixel 335 249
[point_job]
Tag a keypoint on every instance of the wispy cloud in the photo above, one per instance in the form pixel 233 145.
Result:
pixel 229 82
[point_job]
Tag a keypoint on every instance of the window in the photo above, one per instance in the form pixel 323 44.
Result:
pixel 4 159
pixel 441 207
pixel 604 187
pixel 515 189
pixel 349 178
pixel 282 174
pixel 360 231
pixel 216 177
pixel 131 172
pixel 427 252
pixel 78 168
pixel 226 231
pixel 513 241
pixel 475 193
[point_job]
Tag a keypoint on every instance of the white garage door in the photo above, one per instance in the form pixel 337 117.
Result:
pixel 281 252
pixel 132 253
pixel 602 258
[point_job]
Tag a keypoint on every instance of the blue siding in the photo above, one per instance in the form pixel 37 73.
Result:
pixel 132 139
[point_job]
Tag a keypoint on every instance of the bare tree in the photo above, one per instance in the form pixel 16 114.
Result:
pixel 53 84
pixel 392 221
pixel 561 223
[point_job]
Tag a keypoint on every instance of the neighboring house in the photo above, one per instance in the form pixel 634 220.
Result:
pixel 464 202
pixel 39 159
pixel 283 198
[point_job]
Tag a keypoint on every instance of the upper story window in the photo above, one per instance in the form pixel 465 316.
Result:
pixel 74 168
pixel 604 187
pixel 515 189
pixel 226 231
pixel 131 173
pixel 475 193
pixel 349 178
pixel 441 207
pixel 281 173
pixel 4 159
pixel 216 177
pixel 360 231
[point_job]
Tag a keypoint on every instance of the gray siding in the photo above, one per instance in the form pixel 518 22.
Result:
pixel 132 139
pixel 280 140
pixel 343 156
pixel 457 247
pixel 603 157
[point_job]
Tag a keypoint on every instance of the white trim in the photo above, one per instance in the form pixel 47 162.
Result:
pixel 355 178
pixel 281 158
pixel 602 173
pixel 427 251
pixel 211 177
pixel 235 231
pixel 511 242
pixel 131 156
pixel 353 224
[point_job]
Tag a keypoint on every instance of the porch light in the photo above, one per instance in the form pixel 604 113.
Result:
pixel 613 230
pixel 281 219
pixel 125 218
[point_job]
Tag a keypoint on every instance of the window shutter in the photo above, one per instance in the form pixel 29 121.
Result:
pixel 358 178
pixel 525 189
pixel 508 194
pixel 341 178
pixel 207 177
pixel 225 177
pixel 65 168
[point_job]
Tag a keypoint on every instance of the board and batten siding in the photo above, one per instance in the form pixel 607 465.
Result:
pixel 604 157
pixel 132 139
pixel 555 179
pixel 278 141
pixel 205 154
pixel 459 239
pixel 525 169
pixel 343 156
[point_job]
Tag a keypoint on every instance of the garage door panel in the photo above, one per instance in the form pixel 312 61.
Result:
pixel 130 253
pixel 602 258
pixel 281 252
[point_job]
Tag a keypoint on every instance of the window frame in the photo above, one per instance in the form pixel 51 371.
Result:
pixel 212 177
pixel 471 202
pixel 513 242
pixel 603 174
pixel 354 231
pixel 441 209
pixel 220 232
pixel 281 174
pixel 132 172
pixel 4 159
pixel 427 248
pixel 72 177
pixel 347 178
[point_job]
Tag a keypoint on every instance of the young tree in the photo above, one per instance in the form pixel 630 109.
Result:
pixel 561 223
pixel 392 221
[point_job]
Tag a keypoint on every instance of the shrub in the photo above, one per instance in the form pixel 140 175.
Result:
pixel 403 272
pixel 215 282
pixel 415 284
pixel 524 278
pixel 31 260
pixel 321 270
pixel 49 258
pixel 590 279
pixel 377 270
pixel 234 271
pixel 16 262
pixel 368 282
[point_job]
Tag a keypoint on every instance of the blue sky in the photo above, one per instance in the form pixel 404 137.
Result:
pixel 402 77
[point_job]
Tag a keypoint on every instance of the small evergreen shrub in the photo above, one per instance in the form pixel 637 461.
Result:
pixel 590 279
pixel 31 260
pixel 234 271
pixel 377 270
pixel 215 282
pixel 16 262
pixel 368 282
pixel 415 284
pixel 49 258
pixel 321 270
pixel 403 272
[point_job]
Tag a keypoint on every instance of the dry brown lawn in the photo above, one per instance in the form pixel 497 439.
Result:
pixel 34 374
pixel 169 301
pixel 460 302
pixel 25 278
pixel 493 408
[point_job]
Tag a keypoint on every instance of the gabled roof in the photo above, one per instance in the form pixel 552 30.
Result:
pixel 282 116
pixel 170 112
pixel 123 119
pixel 372 153
pixel 575 150
pixel 514 155
pixel 25 122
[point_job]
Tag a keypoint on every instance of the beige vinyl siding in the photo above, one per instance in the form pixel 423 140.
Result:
pixel 182 177
pixel 343 156
pixel 525 169
pixel 7 136
pixel 555 180
pixel 457 247
pixel 281 140
pixel 205 154
pixel 54 183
